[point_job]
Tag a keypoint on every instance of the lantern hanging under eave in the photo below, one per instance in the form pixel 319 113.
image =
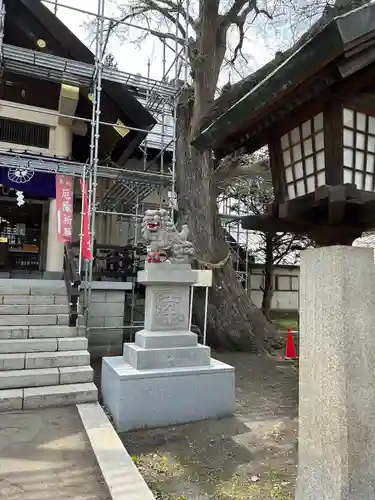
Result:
pixel 316 113
pixel 334 147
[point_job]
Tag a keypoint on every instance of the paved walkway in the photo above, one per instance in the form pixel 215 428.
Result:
pixel 45 454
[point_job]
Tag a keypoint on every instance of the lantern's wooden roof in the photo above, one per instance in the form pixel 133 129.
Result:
pixel 334 50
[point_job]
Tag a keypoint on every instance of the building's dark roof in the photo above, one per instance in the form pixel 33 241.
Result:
pixel 29 20
pixel 337 29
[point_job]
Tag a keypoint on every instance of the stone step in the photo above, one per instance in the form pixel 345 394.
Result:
pixel 40 332
pixel 32 287
pixel 20 379
pixel 56 359
pixel 55 331
pixel 35 319
pixel 34 299
pixel 37 360
pixel 21 309
pixel 47 396
pixel 11 346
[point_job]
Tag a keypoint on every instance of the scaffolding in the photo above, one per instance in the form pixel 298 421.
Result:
pixel 125 198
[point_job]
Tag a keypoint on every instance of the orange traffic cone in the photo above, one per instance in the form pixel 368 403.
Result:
pixel 290 351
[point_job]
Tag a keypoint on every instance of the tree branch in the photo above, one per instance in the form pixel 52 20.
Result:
pixel 240 19
pixel 168 14
pixel 152 6
pixel 179 9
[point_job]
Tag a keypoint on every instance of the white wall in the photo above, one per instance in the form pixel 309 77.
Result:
pixel 60 142
pixel 286 283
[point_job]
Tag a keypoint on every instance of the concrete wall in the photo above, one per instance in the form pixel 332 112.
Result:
pixel 107 318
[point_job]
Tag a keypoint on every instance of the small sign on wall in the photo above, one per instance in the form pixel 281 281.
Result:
pixel 204 278
pixel 64 207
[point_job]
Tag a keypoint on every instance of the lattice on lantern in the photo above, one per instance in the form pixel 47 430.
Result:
pixel 359 149
pixel 303 157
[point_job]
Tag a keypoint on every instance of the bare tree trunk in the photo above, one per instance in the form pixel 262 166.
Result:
pixel 268 278
pixel 233 320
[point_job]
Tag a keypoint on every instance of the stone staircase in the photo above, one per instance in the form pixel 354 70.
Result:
pixel 43 361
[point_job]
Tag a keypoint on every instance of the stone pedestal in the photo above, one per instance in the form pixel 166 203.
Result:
pixel 337 375
pixel 166 377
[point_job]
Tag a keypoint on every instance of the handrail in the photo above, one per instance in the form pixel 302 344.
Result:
pixel 72 282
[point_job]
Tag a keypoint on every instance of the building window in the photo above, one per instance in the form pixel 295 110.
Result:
pixel 295 282
pixel 25 133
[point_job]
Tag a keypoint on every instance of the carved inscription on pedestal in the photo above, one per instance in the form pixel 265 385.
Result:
pixel 169 308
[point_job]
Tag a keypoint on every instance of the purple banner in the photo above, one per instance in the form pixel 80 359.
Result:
pixel 30 182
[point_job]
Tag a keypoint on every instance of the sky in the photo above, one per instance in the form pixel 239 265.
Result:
pixel 134 59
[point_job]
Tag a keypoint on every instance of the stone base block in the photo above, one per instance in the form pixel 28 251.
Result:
pixel 169 396
pixel 144 359
pixel 152 340
pixel 11 399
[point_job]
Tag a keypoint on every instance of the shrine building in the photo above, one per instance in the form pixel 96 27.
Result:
pixel 46 103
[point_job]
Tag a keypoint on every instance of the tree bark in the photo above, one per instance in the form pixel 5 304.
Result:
pixel 268 278
pixel 234 322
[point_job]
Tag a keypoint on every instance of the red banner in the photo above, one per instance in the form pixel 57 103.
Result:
pixel 86 243
pixel 64 207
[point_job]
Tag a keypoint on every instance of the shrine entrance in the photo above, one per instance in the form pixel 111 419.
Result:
pixel 22 235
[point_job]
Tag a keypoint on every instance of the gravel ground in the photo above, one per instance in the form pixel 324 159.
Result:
pixel 250 456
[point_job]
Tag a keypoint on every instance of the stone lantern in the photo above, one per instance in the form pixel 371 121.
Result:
pixel 323 171
pixel 316 113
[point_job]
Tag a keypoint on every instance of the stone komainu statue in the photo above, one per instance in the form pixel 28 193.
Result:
pixel 163 239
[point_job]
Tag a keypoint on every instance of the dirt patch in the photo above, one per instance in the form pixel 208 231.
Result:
pixel 250 456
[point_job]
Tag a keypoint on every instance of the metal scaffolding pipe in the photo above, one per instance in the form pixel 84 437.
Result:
pixel 95 135
pixel 86 120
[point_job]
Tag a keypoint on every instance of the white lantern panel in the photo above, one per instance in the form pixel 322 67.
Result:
pixel 349 118
pixel 359 160
pixel 289 175
pixel 300 188
pixel 310 184
pixel 370 162
pixel 360 141
pixel 297 152
pixel 309 165
pixel 295 136
pixel 359 180
pixel 285 141
pixel 320 160
pixel 318 122
pixel 287 157
pixel 306 129
pixel 298 170
pixel 348 137
pixel 348 176
pixel 359 149
pixel 291 191
pixel 369 182
pixel 348 157
pixel 321 178
pixel 371 124
pixel 371 143
pixel 361 122
pixel 307 147
pixel 319 141
pixel 303 156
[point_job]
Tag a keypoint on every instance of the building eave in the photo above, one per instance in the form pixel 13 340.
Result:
pixel 302 66
pixel 35 20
